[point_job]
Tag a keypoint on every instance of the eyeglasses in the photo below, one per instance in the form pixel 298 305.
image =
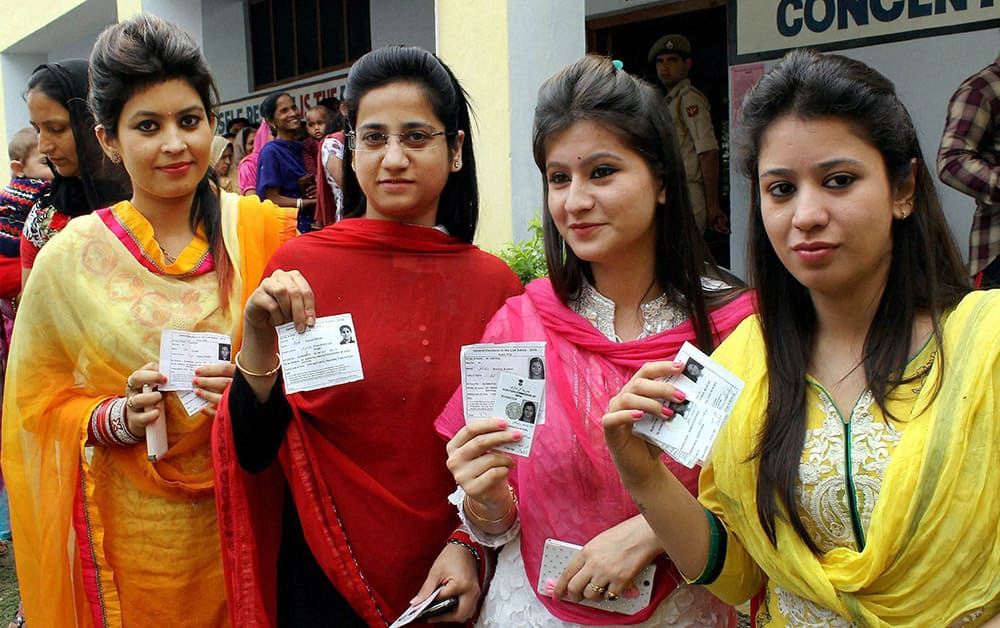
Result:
pixel 375 140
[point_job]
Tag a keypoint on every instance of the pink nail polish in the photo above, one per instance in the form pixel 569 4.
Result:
pixel 197 392
pixel 680 395
pixel 637 414
pixel 516 436
pixel 194 382
pixel 631 593
pixel 678 364
pixel 197 371
pixel 667 411
pixel 550 586
pixel 502 424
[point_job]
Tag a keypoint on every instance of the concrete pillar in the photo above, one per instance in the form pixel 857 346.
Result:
pixel 502 51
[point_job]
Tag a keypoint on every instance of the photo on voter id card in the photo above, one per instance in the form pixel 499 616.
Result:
pixel 519 399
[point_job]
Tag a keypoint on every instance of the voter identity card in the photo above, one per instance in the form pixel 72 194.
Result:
pixel 181 352
pixel 506 381
pixel 324 355
pixel 710 394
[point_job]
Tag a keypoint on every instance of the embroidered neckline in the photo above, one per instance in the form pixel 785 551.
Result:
pixel 658 315
pixel 136 234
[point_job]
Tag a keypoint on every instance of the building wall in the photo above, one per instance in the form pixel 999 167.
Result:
pixel 48 31
pixel 226 45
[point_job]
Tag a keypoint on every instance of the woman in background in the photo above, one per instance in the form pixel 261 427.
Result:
pixel 222 163
pixel 282 175
pixel 85 179
pixel 247 168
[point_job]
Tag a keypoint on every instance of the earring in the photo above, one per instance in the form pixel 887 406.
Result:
pixel 458 164
pixel 115 157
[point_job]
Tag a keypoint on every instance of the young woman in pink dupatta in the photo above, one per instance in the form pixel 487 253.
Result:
pixel 628 280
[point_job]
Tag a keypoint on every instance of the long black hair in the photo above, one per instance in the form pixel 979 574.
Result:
pixel 100 182
pixel 458 207
pixel 132 56
pixel 926 275
pixel 593 89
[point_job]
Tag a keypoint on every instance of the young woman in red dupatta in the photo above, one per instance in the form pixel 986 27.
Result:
pixel 333 501
pixel 628 281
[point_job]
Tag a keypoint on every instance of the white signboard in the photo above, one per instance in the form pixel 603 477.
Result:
pixel 767 28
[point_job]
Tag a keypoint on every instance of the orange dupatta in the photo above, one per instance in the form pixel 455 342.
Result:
pixel 108 538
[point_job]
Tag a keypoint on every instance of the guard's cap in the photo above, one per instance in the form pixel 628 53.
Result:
pixel 670 43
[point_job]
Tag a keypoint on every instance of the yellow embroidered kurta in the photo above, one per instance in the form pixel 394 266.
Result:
pixel 909 525
pixel 139 540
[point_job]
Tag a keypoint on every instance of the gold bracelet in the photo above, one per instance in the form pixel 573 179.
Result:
pixel 236 360
pixel 480 518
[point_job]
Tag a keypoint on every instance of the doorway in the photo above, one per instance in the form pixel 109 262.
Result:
pixel 628 37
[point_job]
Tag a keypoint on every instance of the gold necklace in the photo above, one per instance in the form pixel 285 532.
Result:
pixel 167 257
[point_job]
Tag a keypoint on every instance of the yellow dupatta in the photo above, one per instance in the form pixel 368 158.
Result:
pixel 933 544
pixel 148 533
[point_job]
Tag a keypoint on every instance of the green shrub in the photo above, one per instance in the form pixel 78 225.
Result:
pixel 527 258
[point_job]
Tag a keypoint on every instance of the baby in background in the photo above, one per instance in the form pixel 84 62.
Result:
pixel 30 177
pixel 317 121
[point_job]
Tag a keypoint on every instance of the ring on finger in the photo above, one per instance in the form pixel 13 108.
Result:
pixel 129 402
pixel 599 590
pixel 128 384
pixel 611 597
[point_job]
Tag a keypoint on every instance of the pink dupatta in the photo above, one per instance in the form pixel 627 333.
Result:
pixel 247 169
pixel 569 466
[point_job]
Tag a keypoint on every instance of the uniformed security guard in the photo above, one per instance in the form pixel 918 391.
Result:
pixel 671 55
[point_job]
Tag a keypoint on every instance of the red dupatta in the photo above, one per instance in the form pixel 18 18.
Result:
pixel 364 465
pixel 569 463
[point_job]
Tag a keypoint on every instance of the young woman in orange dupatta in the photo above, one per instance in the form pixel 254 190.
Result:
pixel 106 537
pixel 332 502
pixel 628 280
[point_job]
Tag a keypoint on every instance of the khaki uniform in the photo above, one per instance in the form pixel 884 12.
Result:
pixel 690 111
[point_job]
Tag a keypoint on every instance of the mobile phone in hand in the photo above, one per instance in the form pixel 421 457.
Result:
pixel 438 607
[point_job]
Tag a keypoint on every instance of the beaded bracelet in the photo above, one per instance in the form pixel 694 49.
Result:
pixel 471 549
pixel 480 518
pixel 236 360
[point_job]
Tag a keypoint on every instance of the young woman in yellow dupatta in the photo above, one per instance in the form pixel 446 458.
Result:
pixel 854 483
pixel 106 537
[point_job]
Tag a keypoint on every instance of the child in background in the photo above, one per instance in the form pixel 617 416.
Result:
pixel 317 121
pixel 317 126
pixel 30 176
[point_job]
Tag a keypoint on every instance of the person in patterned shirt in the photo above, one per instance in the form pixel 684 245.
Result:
pixel 969 161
